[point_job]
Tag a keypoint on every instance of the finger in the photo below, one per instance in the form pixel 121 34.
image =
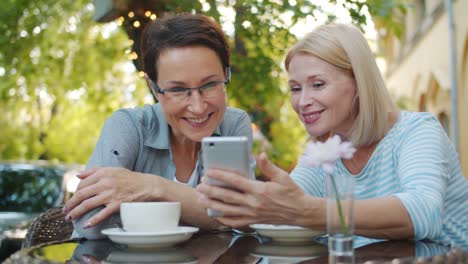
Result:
pixel 223 194
pixel 236 222
pixel 225 208
pixel 81 196
pixel 89 259
pixel 86 173
pixel 268 169
pixel 233 179
pixel 102 215
pixel 89 179
pixel 87 205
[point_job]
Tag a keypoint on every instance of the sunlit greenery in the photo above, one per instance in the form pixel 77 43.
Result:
pixel 62 74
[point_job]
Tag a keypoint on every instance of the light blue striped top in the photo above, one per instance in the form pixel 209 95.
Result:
pixel 417 163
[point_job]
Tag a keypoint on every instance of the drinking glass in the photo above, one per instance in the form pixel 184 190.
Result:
pixel 340 217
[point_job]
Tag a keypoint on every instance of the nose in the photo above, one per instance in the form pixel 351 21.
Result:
pixel 305 99
pixel 197 104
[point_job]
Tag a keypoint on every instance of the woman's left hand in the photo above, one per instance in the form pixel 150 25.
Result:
pixel 276 201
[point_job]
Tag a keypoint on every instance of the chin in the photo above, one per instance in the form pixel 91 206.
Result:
pixel 199 137
pixel 315 133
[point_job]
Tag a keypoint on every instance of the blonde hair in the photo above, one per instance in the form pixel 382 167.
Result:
pixel 345 47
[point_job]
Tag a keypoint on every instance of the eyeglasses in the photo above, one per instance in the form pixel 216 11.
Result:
pixel 207 90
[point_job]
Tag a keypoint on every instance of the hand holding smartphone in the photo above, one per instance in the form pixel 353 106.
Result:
pixel 230 153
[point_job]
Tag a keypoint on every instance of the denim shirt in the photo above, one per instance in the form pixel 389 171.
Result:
pixel 138 139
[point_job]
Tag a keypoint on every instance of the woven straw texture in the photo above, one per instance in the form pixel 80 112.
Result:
pixel 47 227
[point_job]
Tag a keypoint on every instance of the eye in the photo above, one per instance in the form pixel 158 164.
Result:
pixel 176 90
pixel 317 84
pixel 210 85
pixel 295 88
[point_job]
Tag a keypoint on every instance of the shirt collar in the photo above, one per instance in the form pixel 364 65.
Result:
pixel 158 136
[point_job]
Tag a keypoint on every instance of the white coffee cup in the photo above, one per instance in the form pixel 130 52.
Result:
pixel 150 216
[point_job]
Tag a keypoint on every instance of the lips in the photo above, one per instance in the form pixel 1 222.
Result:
pixel 311 117
pixel 199 121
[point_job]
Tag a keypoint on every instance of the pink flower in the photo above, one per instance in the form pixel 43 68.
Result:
pixel 326 153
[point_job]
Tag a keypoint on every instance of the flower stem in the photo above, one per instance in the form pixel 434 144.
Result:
pixel 344 228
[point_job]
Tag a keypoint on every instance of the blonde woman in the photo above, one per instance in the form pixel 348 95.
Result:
pixel 409 183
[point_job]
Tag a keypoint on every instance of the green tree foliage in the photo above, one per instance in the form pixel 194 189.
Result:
pixel 62 74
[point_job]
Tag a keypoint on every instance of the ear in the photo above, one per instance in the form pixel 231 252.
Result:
pixel 151 86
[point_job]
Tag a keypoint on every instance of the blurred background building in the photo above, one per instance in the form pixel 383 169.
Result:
pixel 427 65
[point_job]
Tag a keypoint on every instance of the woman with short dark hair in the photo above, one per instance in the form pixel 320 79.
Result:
pixel 152 153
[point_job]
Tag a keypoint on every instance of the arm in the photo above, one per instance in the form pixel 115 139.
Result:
pixel 192 213
pixel 277 201
pixel 281 201
pixel 389 218
pixel 423 172
pixel 416 211
pixel 106 188
pixel 96 203
pixel 117 146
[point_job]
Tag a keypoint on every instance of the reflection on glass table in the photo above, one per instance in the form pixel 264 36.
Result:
pixel 274 252
pixel 226 247
pixel 405 251
pixel 201 248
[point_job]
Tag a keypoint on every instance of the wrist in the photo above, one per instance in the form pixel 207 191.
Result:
pixel 153 187
pixel 313 212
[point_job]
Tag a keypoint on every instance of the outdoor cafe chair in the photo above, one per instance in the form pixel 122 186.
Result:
pixel 47 227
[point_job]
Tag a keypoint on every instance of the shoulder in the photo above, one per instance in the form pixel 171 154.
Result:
pixel 233 114
pixel 415 124
pixel 138 116
pixel 234 117
pixel 236 122
pixel 421 130
pixel 414 119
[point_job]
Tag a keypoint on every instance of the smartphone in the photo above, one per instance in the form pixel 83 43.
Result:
pixel 231 153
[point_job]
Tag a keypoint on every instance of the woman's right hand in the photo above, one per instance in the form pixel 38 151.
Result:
pixel 277 201
pixel 109 187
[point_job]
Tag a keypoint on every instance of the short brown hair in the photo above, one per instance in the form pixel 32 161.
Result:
pixel 182 30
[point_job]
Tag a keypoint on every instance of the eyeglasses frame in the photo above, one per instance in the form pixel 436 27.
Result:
pixel 189 90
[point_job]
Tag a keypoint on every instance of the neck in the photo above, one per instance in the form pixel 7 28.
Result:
pixel 180 144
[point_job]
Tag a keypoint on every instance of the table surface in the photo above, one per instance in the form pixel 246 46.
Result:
pixel 227 247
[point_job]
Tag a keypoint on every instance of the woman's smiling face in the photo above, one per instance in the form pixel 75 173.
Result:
pixel 193 117
pixel 322 95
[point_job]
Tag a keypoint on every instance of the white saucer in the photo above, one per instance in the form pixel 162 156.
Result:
pixel 287 233
pixel 290 253
pixel 150 239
